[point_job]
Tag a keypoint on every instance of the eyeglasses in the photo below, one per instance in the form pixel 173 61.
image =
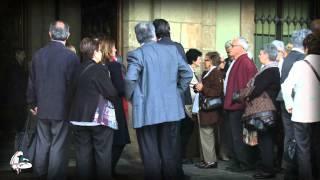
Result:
pixel 206 59
pixel 233 45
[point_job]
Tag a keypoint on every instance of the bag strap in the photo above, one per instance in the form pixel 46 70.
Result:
pixel 315 72
pixel 26 127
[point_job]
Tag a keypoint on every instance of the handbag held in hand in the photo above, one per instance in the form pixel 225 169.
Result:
pixel 211 103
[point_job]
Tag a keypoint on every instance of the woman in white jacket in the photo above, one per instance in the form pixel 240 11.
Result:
pixel 304 106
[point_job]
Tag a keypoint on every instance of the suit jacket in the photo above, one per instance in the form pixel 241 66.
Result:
pixel 212 87
pixel 49 80
pixel 292 57
pixel 187 99
pixel 86 89
pixel 157 76
pixel 241 72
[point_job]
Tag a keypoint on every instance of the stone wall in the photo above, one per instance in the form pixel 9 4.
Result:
pixel 193 23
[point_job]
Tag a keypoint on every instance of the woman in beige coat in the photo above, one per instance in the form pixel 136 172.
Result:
pixel 211 86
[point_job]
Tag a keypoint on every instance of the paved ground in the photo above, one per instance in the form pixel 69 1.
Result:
pixel 126 169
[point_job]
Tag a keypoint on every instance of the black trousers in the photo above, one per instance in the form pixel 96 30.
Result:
pixel 51 159
pixel 116 154
pixel 93 151
pixel 187 126
pixel 239 151
pixel 159 148
pixel 290 166
pixel 266 150
pixel 308 149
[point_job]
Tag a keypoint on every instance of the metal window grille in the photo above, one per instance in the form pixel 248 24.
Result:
pixel 277 19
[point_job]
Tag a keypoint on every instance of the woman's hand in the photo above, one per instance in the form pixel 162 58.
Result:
pixel 289 110
pixel 199 87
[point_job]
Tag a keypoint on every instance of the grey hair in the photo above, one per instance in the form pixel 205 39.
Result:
pixel 279 44
pixel 271 50
pixel 298 36
pixel 228 44
pixel 145 31
pixel 244 43
pixel 58 33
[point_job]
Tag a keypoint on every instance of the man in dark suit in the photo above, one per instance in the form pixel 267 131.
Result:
pixel 296 54
pixel 162 28
pixel 51 71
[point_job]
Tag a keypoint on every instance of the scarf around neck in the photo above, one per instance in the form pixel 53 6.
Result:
pixel 265 67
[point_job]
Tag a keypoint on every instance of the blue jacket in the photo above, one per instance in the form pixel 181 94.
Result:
pixel 156 78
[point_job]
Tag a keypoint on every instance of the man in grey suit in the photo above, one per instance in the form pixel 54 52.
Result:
pixel 156 78
pixel 50 76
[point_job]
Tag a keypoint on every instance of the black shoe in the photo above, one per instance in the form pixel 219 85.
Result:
pixel 263 175
pixel 187 161
pixel 198 164
pixel 208 165
pixel 239 168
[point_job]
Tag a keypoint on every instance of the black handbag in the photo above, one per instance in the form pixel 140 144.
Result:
pixel 290 151
pixel 261 121
pixel 211 103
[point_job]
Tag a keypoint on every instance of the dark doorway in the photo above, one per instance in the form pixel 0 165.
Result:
pixel 100 17
pixel 12 36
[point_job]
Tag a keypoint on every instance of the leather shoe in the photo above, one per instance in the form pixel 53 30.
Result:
pixel 263 175
pixel 239 168
pixel 187 161
pixel 208 165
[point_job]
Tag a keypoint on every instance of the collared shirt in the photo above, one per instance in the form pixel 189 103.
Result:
pixel 298 49
pixel 62 42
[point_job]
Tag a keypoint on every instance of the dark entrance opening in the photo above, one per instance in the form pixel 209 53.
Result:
pixel 101 17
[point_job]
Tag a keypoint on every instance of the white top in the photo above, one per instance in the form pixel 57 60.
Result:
pixel 280 63
pixel 227 77
pixel 193 82
pixel 303 81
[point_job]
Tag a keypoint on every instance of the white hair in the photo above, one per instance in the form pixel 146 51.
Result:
pixel 244 43
pixel 279 44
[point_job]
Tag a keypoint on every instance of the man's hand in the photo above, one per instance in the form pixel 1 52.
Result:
pixel 34 111
pixel 289 110
pixel 199 87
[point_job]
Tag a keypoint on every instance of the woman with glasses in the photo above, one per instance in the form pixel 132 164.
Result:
pixel 211 86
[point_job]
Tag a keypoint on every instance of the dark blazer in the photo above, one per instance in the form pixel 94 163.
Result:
pixel 121 136
pixel 292 57
pixel 186 98
pixel 212 87
pixel 268 81
pixel 49 80
pixel 86 89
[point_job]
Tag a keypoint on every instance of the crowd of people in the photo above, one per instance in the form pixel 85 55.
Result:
pixel 262 119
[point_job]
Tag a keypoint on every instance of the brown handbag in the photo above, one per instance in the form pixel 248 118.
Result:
pixel 259 113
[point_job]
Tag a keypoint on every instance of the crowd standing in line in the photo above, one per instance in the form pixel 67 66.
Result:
pixel 62 92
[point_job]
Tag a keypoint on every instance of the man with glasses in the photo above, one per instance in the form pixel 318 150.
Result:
pixel 237 77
